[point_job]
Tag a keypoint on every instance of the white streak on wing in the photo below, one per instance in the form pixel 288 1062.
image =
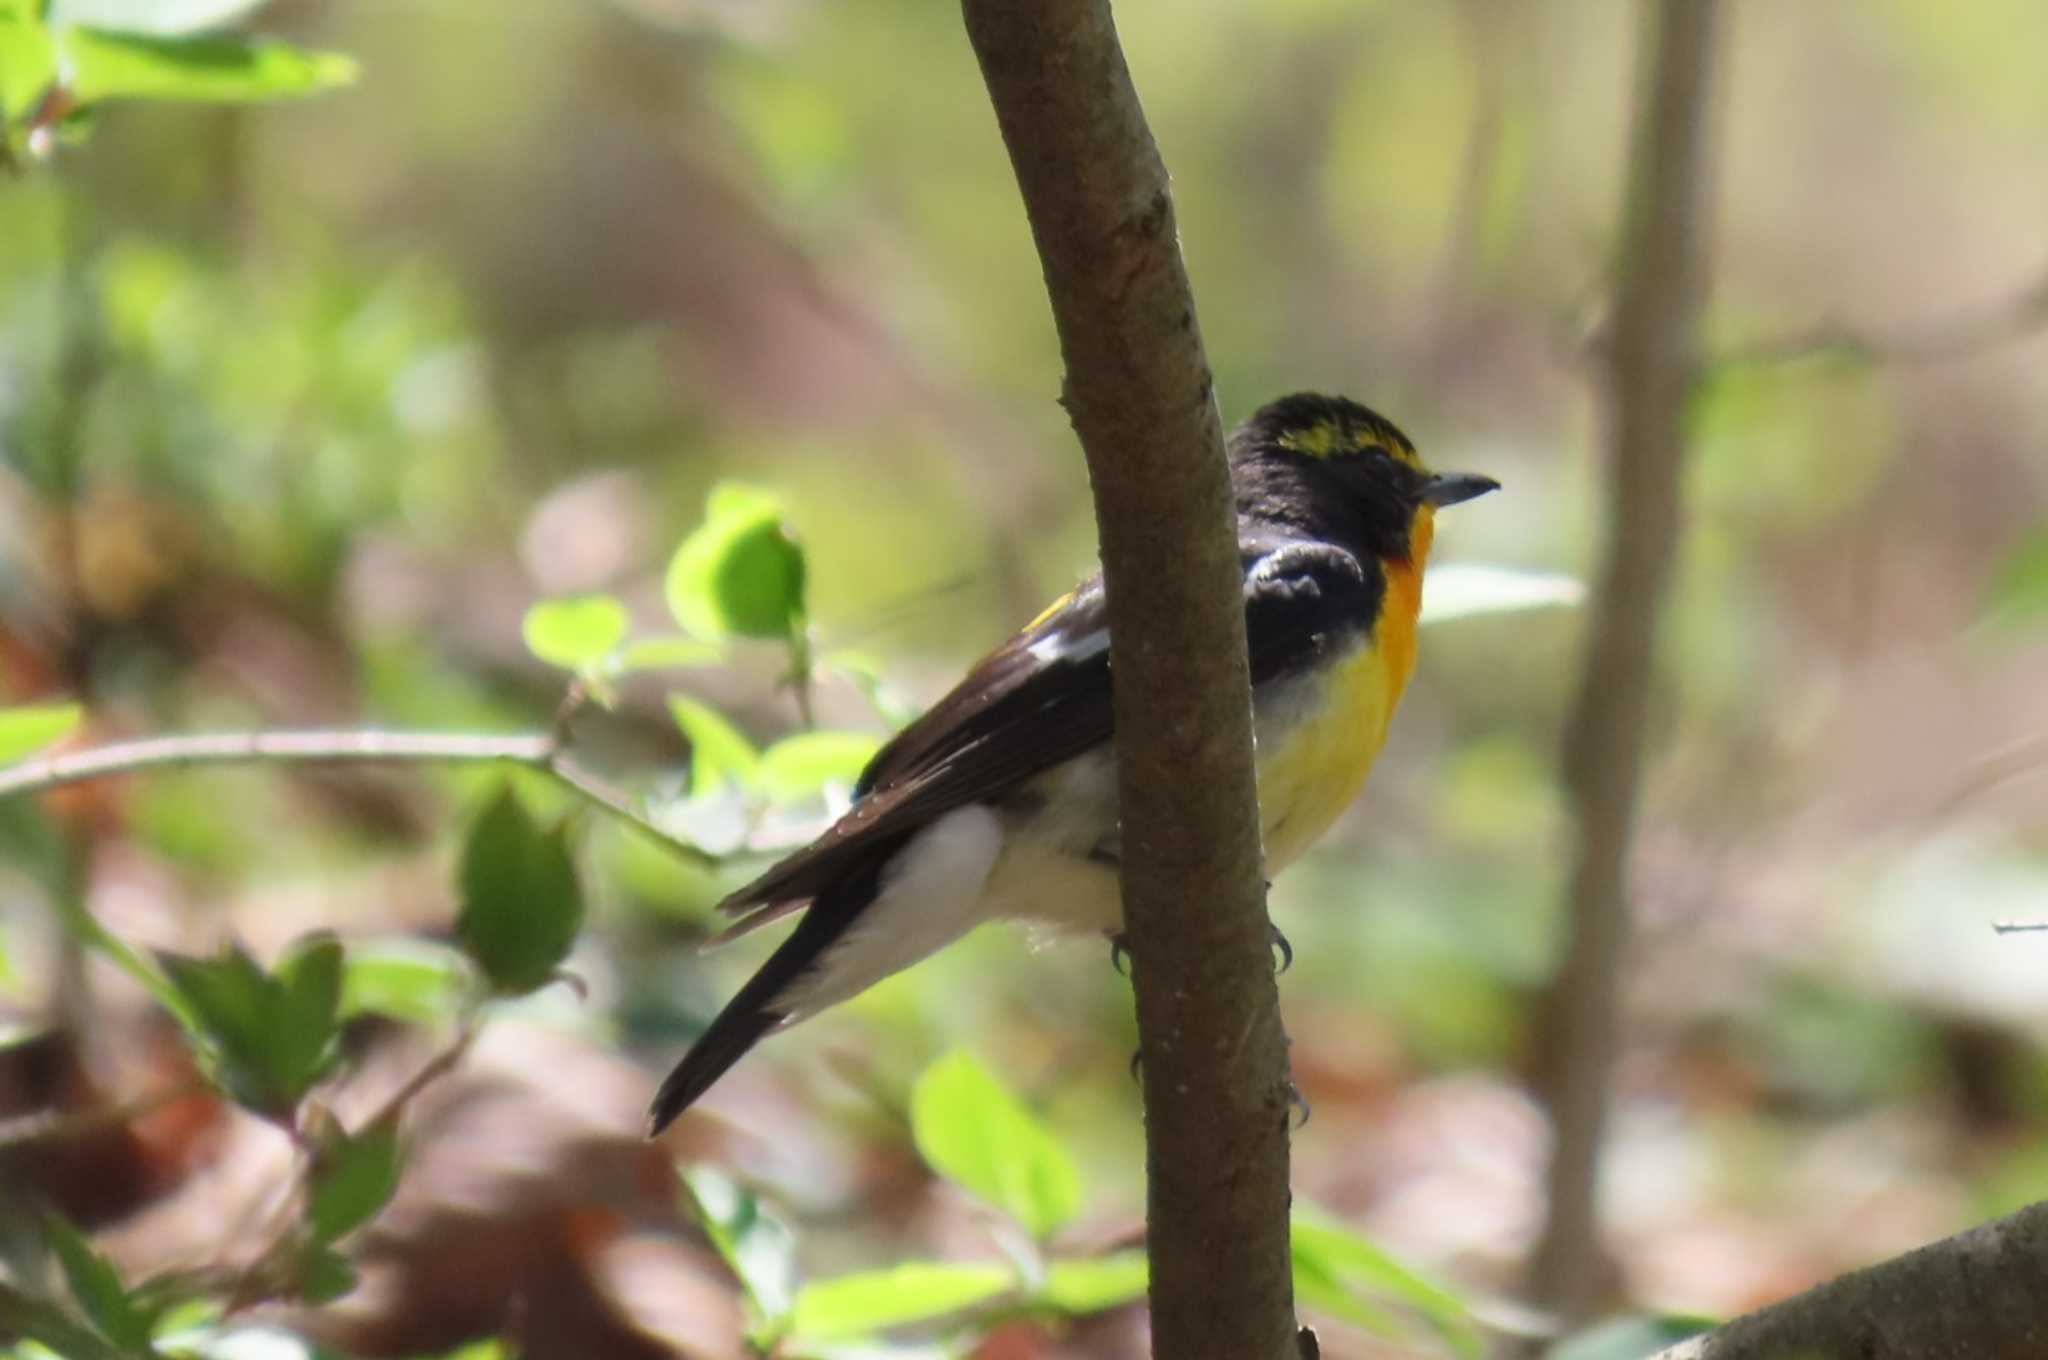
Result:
pixel 931 895
pixel 1059 647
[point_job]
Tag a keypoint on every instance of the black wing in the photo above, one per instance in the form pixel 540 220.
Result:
pixel 1044 697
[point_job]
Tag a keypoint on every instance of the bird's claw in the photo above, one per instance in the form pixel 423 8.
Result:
pixel 1120 954
pixel 1276 941
pixel 1297 1105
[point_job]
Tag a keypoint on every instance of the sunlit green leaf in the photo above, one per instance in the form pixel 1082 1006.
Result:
pixel 31 727
pixel 739 574
pixel 874 1301
pixel 805 764
pixel 103 65
pixel 521 901
pixel 97 1286
pixel 757 1245
pixel 354 1176
pixel 719 753
pixel 2018 595
pixel 1095 1284
pixel 28 63
pixel 575 634
pixel 404 980
pixel 1349 1276
pixel 1458 590
pixel 976 1134
pixel 1634 1338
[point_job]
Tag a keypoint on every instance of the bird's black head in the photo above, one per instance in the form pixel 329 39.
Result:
pixel 1332 469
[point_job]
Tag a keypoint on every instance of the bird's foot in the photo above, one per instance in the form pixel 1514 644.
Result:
pixel 1278 943
pixel 1120 954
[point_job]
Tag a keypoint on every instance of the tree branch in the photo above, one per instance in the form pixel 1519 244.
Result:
pixel 1977 1294
pixel 1138 392
pixel 1650 369
pixel 2010 318
pixel 540 751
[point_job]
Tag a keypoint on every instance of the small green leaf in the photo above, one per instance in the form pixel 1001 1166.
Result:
pixel 976 1134
pixel 97 1286
pixel 1635 1338
pixel 739 574
pixel 719 753
pixel 575 634
pixel 2018 594
pixel 324 1275
pixel 1461 590
pixel 271 1038
pixel 28 64
pixel 757 1245
pixel 665 653
pixel 873 1301
pixel 1334 1268
pixel 105 65
pixel 404 980
pixel 807 763
pixel 162 17
pixel 521 902
pixel 353 1178
pixel 31 727
pixel 1097 1284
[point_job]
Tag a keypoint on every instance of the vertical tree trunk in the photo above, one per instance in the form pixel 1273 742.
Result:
pixel 1648 371
pixel 1138 391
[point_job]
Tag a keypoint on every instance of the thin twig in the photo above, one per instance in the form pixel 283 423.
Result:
pixel 539 751
pixel 52 1126
pixel 1969 332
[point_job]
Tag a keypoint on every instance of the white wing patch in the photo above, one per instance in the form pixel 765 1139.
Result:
pixel 1059 647
pixel 931 896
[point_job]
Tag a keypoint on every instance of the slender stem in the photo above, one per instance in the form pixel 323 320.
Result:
pixel 539 751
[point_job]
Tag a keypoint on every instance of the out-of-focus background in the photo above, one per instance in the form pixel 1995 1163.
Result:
pixel 302 406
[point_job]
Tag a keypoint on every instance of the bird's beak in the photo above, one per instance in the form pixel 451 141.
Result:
pixel 1452 487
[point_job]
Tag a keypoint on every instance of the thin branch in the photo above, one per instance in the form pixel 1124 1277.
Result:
pixel 54 1126
pixel 1977 1294
pixel 539 751
pixel 1967 333
pixel 1139 394
pixel 1650 371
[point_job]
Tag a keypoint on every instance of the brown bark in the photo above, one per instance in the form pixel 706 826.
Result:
pixel 1976 1295
pixel 1649 368
pixel 1138 392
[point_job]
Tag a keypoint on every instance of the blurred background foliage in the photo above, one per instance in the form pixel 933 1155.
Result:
pixel 303 407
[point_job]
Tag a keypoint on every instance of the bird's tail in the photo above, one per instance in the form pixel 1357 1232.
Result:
pixel 756 1009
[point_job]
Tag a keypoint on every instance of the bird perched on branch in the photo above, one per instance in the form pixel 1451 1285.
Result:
pixel 1000 803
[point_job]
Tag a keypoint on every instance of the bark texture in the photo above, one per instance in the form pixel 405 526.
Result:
pixel 1138 391
pixel 1648 371
pixel 1975 1296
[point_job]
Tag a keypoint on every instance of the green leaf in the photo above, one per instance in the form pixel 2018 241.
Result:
pixel 31 727
pixel 28 64
pixel 270 1037
pixel 575 634
pixel 719 752
pixel 1460 590
pixel 665 653
pixel 324 1275
pixel 757 1245
pixel 97 1286
pixel 873 1301
pixel 163 17
pixel 1630 1338
pixel 104 65
pixel 521 902
pixel 739 574
pixel 2018 594
pixel 354 1177
pixel 404 980
pixel 1334 1268
pixel 807 763
pixel 1096 1284
pixel 976 1134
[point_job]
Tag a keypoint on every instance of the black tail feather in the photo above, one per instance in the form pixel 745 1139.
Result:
pixel 752 1012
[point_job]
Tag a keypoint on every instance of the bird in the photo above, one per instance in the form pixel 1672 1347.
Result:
pixel 1000 801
